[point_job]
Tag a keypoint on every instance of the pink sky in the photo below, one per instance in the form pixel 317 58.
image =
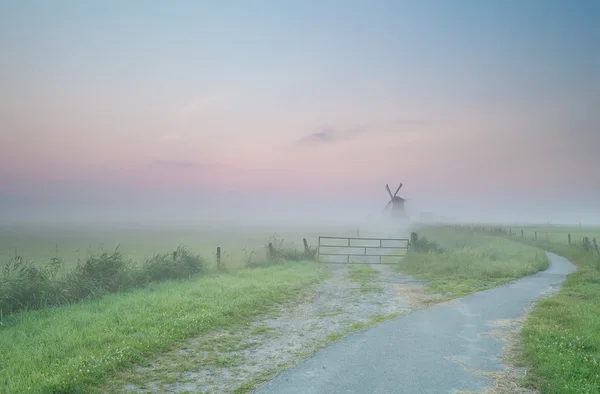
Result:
pixel 255 108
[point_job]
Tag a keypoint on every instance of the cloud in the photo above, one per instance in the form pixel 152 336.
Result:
pixel 328 135
pixel 175 164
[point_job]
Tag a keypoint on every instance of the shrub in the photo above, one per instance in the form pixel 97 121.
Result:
pixel 177 265
pixel 26 286
pixel 99 275
pixel 423 245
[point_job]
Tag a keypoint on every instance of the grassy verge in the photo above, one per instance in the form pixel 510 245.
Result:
pixel 458 263
pixel 75 348
pixel 561 337
pixel 364 275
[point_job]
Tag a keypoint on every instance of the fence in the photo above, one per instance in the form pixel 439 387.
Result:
pixel 362 250
pixel 578 238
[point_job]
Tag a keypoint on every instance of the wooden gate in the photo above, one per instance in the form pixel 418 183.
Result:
pixel 348 250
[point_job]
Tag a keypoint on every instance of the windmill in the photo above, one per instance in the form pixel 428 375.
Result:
pixel 397 203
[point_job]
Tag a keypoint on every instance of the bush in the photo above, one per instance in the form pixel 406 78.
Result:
pixel 180 264
pixel 26 286
pixel 99 275
pixel 423 245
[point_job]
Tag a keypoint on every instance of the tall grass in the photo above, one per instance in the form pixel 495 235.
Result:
pixel 458 263
pixel 75 349
pixel 26 285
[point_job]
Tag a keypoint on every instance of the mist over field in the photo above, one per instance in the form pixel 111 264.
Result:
pixel 279 211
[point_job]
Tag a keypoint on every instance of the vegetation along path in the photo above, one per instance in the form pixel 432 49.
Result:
pixel 450 347
pixel 353 297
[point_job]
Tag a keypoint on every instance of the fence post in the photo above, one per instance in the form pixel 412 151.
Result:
pixel 547 236
pixel 596 246
pixel 569 237
pixel 413 239
pixel 218 258
pixel 586 245
pixel 535 235
pixel 510 232
pixel 271 251
pixel 522 234
pixel 306 248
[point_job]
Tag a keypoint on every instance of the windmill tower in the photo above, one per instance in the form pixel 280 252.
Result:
pixel 396 203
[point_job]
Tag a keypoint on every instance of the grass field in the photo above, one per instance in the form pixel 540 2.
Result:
pixel 238 244
pixel 74 348
pixel 558 235
pixel 561 339
pixel 460 263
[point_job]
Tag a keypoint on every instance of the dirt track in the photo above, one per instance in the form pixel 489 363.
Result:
pixel 226 361
pixel 452 348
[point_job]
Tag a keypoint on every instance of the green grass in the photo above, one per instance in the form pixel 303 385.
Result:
pixel 561 336
pixel 75 348
pixel 559 235
pixel 469 262
pixel 560 340
pixel 364 275
pixel 239 245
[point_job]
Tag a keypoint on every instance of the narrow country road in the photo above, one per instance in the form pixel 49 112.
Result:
pixel 433 350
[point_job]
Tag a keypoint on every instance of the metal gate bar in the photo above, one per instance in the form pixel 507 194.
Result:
pixel 344 252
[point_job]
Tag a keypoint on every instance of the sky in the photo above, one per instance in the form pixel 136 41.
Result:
pixel 229 109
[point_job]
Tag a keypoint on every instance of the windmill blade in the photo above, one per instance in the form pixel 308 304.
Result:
pixel 398 189
pixel 389 191
pixel 386 207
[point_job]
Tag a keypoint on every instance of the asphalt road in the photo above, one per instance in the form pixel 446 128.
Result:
pixel 418 352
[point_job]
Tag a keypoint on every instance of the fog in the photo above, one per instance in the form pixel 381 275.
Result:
pixel 283 211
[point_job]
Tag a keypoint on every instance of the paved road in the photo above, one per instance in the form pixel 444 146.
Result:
pixel 414 353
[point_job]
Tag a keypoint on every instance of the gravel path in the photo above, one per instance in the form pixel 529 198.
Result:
pixel 449 348
pixel 226 361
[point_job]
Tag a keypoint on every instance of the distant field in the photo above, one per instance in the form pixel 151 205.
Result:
pixel 238 245
pixel 553 233
pixel 558 234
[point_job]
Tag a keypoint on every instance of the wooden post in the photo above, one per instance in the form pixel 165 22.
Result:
pixel 569 238
pixel 218 258
pixel 306 248
pixel 271 251
pixel 596 246
pixel 535 235
pixel 547 236
pixel 414 238
pixel 510 232
pixel 586 245
pixel 522 234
